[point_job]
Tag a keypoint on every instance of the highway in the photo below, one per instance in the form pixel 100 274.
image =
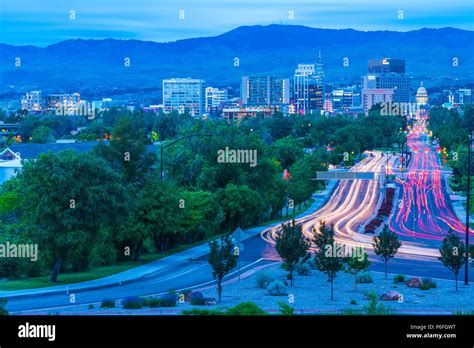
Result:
pixel 425 214
pixel 422 218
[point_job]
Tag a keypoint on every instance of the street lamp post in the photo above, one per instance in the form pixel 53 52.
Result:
pixel 468 196
pixel 172 143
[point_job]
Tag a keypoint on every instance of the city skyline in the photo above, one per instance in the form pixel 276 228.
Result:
pixel 28 23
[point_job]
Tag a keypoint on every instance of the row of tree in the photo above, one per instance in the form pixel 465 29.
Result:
pixel 293 246
pixel 452 128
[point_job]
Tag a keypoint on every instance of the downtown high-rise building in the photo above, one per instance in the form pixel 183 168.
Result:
pixel 215 98
pixel 308 87
pixel 265 91
pixel 67 103
pixel 344 98
pixel 386 79
pixel 386 65
pixel 32 101
pixel 184 94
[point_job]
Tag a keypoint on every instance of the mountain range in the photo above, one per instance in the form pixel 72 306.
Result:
pixel 222 60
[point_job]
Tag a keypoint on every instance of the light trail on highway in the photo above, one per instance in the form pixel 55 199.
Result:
pixel 351 206
pixel 423 204
pixel 425 212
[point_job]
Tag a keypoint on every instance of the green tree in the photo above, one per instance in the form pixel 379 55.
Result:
pixel 9 202
pixel 42 135
pixel 66 198
pixel 326 258
pixel 287 150
pixel 359 261
pixel 292 246
pixel 3 304
pixel 126 152
pixel 223 257
pixel 302 185
pixel 203 215
pixel 386 245
pixel 157 215
pixel 240 204
pixel 453 254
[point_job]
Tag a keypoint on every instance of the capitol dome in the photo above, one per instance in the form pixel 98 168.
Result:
pixel 421 95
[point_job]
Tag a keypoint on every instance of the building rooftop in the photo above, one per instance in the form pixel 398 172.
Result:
pixel 32 150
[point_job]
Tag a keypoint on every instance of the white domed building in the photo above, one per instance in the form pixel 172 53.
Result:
pixel 421 95
pixel 422 101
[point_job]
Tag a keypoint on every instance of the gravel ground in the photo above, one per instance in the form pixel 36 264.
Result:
pixel 311 294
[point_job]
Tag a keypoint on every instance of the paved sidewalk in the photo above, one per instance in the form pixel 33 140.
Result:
pixel 174 260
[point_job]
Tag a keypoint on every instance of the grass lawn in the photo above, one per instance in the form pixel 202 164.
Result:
pixel 100 272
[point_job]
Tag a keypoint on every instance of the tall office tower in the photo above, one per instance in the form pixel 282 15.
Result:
pixel 386 65
pixel 32 101
pixel 308 87
pixel 464 96
pixel 388 74
pixel 184 94
pixel 215 98
pixel 265 90
pixel 67 103
pixel 303 74
pixel 371 97
pixel 344 98
pixel 316 94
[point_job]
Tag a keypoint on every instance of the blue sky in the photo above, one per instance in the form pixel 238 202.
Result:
pixel 44 22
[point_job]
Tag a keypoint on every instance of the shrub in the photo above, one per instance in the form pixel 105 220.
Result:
pixel 303 268
pixel 351 311
pixel 277 288
pixel 285 309
pixel 364 278
pixel 199 311
pixel 372 308
pixel 197 298
pixel 107 303
pixel 168 300
pixel 463 312
pixel 132 303
pixel 354 302
pixel 427 284
pixel 399 279
pixel 246 308
pixel 154 302
pixel 91 306
pixel 263 279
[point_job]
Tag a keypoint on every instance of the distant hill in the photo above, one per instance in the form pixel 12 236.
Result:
pixel 272 49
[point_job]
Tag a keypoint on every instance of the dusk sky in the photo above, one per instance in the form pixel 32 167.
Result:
pixel 41 23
